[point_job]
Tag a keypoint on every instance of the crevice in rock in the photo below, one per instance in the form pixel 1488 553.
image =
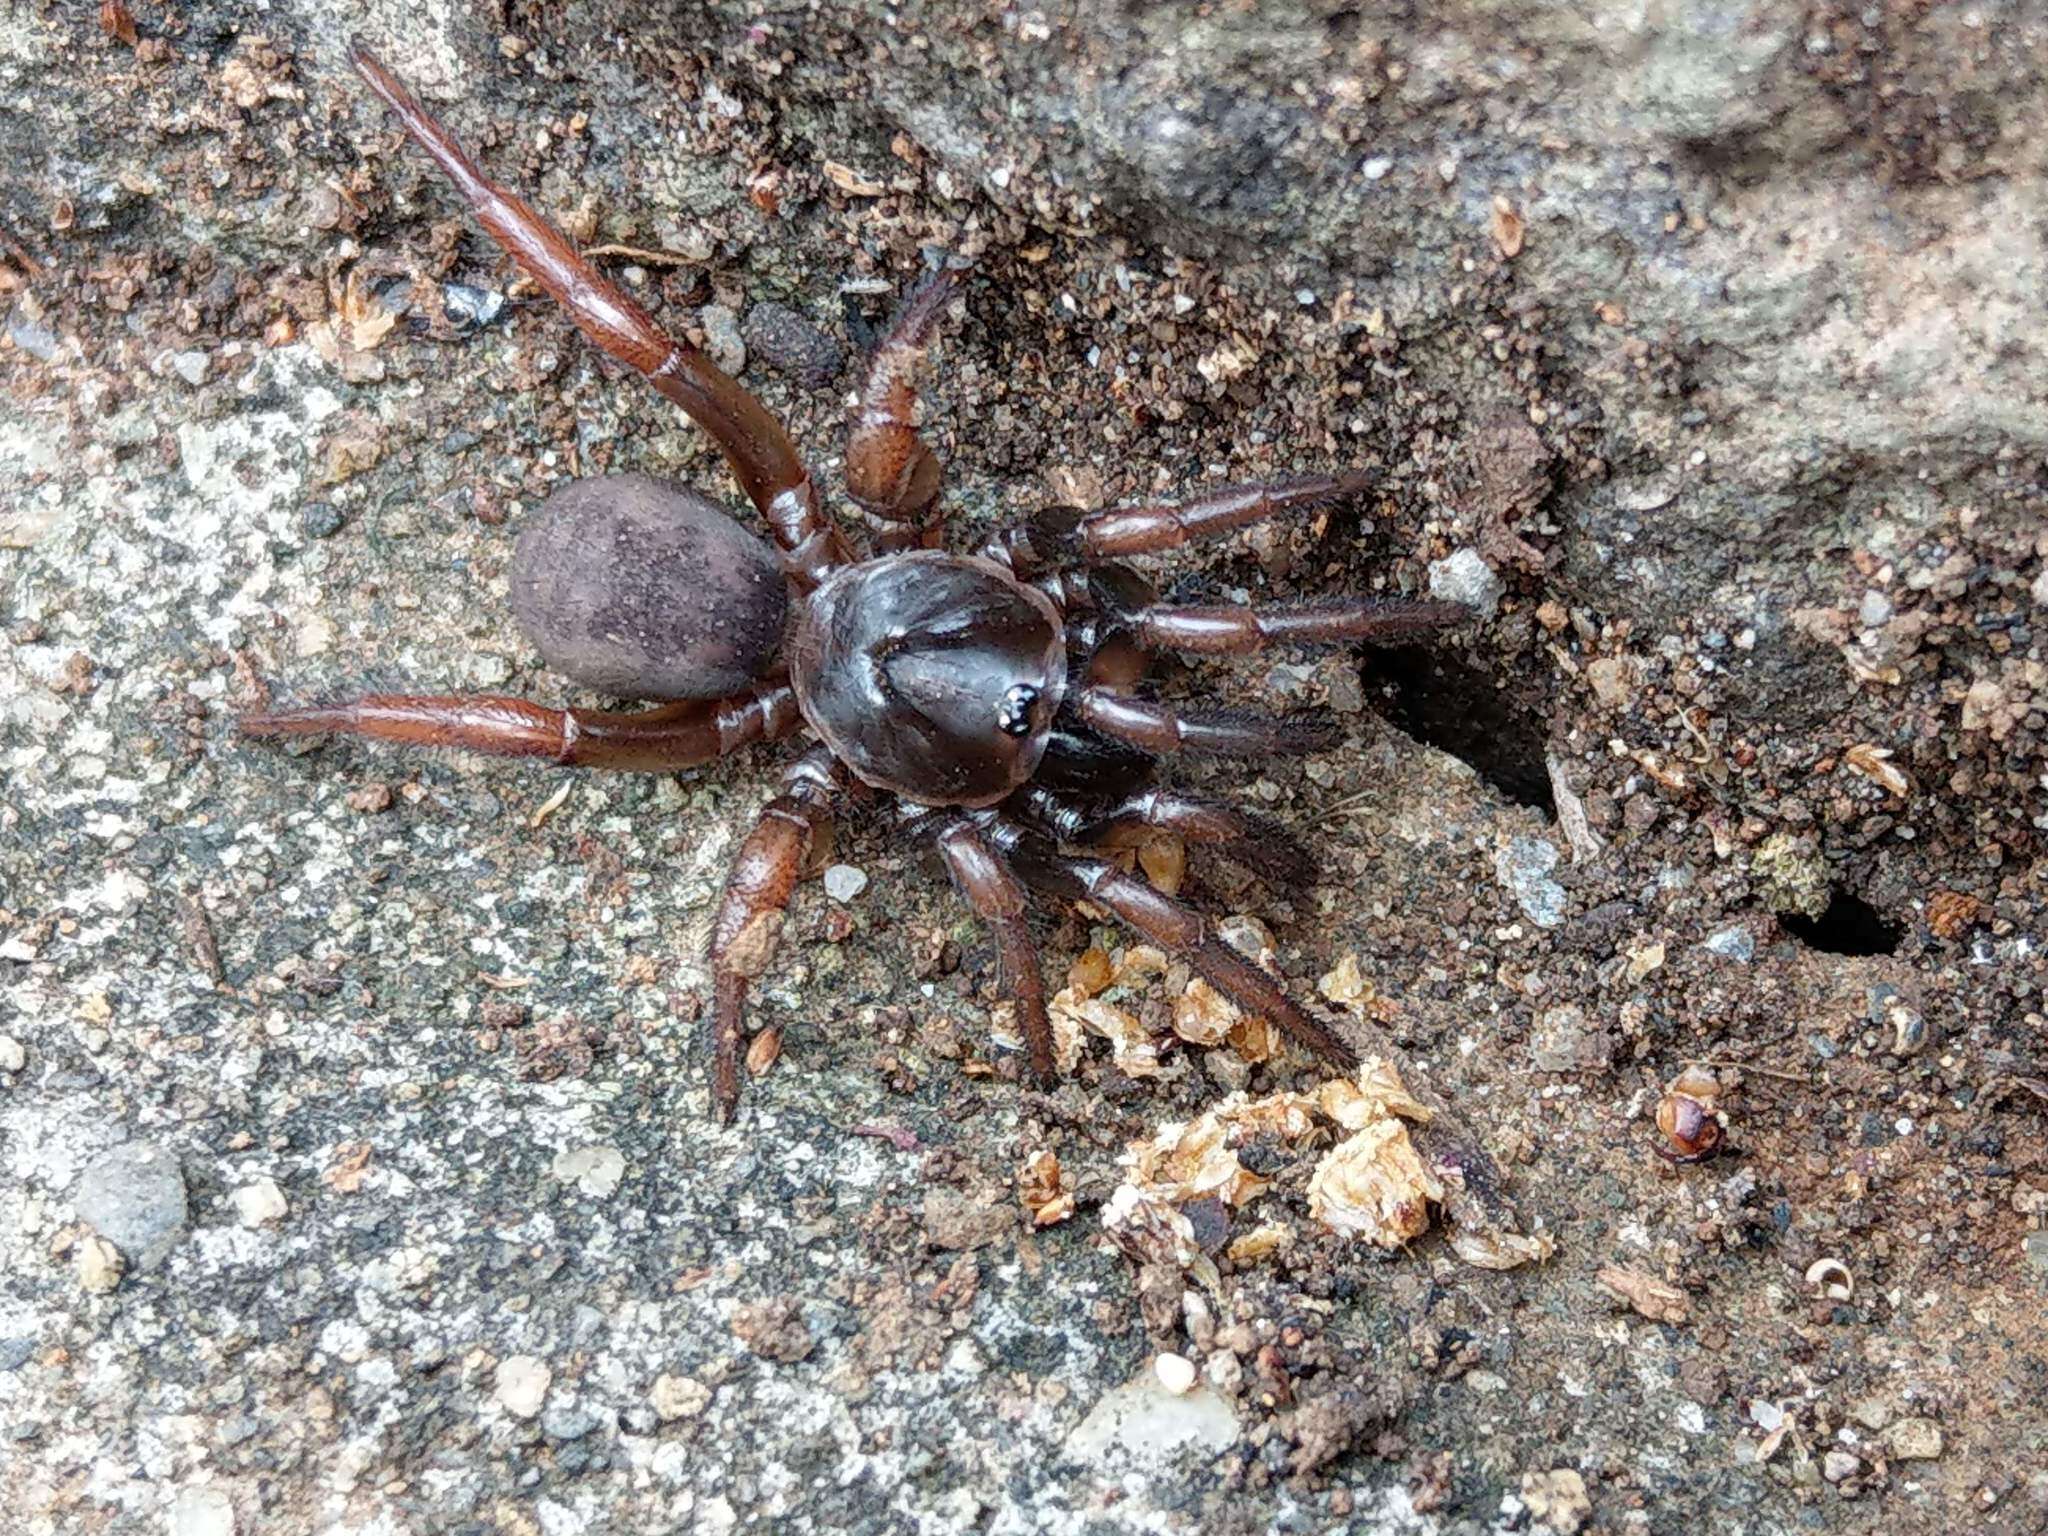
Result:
pixel 1457 708
pixel 1849 926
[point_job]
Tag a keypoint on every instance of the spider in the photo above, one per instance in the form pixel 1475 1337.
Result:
pixel 993 696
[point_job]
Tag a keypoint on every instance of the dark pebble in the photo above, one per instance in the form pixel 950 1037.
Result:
pixel 787 341
pixel 320 520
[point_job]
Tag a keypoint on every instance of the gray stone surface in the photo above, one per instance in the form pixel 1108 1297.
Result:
pixel 1695 326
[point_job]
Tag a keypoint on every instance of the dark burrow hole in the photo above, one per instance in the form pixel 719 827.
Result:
pixel 1456 708
pixel 1849 926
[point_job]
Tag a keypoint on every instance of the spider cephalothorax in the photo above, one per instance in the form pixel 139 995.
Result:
pixel 993 695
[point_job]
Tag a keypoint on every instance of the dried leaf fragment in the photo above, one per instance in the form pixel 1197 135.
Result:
pixel 1508 228
pixel 1653 1298
pixel 1042 1187
pixel 1374 1185
pixel 847 179
pixel 1875 764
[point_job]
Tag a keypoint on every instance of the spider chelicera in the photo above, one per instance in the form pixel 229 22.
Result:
pixel 993 695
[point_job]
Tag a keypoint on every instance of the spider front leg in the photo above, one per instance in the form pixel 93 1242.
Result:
pixel 658 740
pixel 889 470
pixel 753 441
pixel 1173 927
pixel 999 900
pixel 757 890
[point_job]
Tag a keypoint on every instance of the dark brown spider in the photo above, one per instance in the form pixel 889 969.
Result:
pixel 991 695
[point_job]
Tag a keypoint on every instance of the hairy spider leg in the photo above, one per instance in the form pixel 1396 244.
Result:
pixel 1257 842
pixel 753 441
pixel 1245 629
pixel 1151 528
pixel 998 898
pixel 750 914
pixel 1164 729
pixel 658 740
pixel 890 472
pixel 1176 928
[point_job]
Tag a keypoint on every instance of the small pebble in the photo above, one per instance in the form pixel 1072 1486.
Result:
pixel 99 1264
pixel 471 306
pixel 320 520
pixel 788 342
pixel 202 1512
pixel 134 1196
pixel 594 1170
pixel 1524 867
pixel 1733 943
pixel 192 367
pixel 1838 1466
pixel 722 338
pixel 843 882
pixel 1464 577
pixel 521 1384
pixel 1876 609
pixel 679 1397
pixel 1913 1440
pixel 12 1057
pixel 260 1203
pixel 1176 1373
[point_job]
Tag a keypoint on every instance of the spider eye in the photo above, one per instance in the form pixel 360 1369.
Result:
pixel 1013 713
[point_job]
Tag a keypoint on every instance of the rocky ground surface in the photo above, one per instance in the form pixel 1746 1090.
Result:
pixel 358 1170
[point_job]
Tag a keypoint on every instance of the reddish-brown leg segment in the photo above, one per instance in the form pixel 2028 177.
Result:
pixel 998 899
pixel 1166 728
pixel 657 740
pixel 1173 927
pixel 753 441
pixel 750 915
pixel 1244 629
pixel 1254 841
pixel 1147 530
pixel 889 470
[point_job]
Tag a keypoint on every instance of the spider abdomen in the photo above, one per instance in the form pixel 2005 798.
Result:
pixel 647 590
pixel 931 675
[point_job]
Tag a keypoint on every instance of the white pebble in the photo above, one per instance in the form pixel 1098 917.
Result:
pixel 594 1170
pixel 521 1383
pixel 843 882
pixel 12 1057
pixel 1176 1373
pixel 202 1512
pixel 1464 577
pixel 260 1202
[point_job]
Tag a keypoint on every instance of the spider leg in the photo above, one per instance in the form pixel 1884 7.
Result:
pixel 1163 728
pixel 1145 530
pixel 890 472
pixel 750 914
pixel 1245 629
pixel 1173 927
pixel 999 900
pixel 657 740
pixel 752 440
pixel 1257 842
